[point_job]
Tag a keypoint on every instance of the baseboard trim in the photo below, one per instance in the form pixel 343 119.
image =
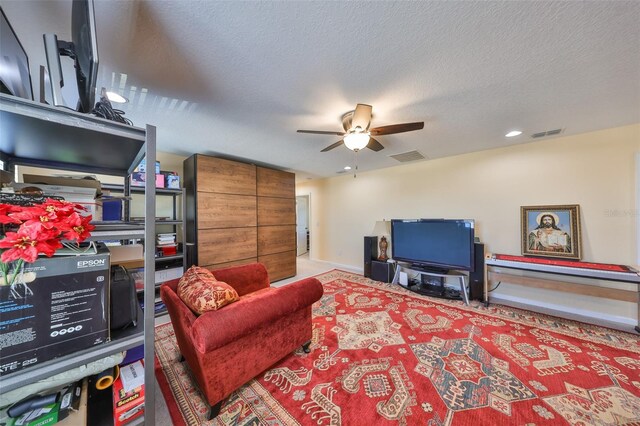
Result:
pixel 612 321
pixel 348 268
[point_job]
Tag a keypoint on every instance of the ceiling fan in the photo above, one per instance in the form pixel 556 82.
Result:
pixel 357 134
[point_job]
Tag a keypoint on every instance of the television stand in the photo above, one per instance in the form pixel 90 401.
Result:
pixel 435 283
pixel 440 271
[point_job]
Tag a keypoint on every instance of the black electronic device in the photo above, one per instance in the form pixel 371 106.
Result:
pixel 381 271
pixel 370 253
pixel 437 245
pixel 83 49
pixel 476 277
pixel 15 78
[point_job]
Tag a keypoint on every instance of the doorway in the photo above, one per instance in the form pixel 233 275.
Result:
pixel 302 224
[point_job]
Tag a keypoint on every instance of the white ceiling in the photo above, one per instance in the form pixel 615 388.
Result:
pixel 238 78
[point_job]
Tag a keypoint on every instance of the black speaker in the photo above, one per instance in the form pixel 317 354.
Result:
pixel 381 271
pixel 370 254
pixel 476 277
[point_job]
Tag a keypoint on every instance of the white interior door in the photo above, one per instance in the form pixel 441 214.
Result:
pixel 302 223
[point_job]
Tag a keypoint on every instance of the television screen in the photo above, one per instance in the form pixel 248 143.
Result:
pixel 15 78
pixel 434 243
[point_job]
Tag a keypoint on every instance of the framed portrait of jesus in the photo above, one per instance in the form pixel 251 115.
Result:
pixel 551 231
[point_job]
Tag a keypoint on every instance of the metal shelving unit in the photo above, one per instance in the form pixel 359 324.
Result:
pixel 121 341
pixel 40 135
pixel 174 222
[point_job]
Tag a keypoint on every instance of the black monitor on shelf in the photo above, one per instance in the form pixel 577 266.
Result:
pixel 15 78
pixel 83 49
pixel 436 245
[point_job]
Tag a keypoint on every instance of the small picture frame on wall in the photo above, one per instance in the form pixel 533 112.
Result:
pixel 551 231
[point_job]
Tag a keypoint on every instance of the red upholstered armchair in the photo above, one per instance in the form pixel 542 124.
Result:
pixel 228 347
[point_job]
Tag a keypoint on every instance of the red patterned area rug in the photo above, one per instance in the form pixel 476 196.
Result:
pixel 384 355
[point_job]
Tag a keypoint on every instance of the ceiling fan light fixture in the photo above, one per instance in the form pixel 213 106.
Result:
pixel 356 141
pixel 114 97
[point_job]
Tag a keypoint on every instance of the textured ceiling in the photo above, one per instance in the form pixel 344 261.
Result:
pixel 238 78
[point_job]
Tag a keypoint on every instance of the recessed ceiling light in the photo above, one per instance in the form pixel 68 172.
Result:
pixel 513 133
pixel 347 167
pixel 114 97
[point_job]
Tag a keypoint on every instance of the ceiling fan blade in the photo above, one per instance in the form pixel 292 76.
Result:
pixel 374 145
pixel 397 128
pixel 361 117
pixel 335 145
pixel 321 132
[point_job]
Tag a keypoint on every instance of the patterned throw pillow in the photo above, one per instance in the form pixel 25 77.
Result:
pixel 200 291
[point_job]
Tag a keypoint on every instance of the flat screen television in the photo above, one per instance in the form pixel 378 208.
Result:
pixel 83 49
pixel 435 245
pixel 15 78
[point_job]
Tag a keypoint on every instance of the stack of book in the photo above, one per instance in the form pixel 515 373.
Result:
pixel 166 244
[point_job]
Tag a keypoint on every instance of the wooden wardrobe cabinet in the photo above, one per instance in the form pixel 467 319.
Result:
pixel 238 213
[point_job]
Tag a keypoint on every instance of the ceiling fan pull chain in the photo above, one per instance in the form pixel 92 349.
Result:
pixel 355 163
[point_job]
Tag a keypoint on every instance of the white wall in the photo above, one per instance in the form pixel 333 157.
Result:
pixel 595 170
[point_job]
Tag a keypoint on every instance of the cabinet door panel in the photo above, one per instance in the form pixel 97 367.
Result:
pixel 225 245
pixel 232 263
pixel 276 239
pixel 276 211
pixel 279 265
pixel 276 183
pixel 225 176
pixel 226 210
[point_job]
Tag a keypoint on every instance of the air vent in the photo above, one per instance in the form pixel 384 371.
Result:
pixel 546 133
pixel 405 157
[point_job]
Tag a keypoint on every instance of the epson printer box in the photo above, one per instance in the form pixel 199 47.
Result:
pixel 62 307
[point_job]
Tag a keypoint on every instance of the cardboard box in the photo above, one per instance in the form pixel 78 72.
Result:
pixel 171 180
pixel 63 308
pixel 111 208
pixel 139 178
pixel 81 182
pixel 126 253
pixel 127 405
pixel 142 167
pixel 167 274
pixel 75 194
pixel 159 180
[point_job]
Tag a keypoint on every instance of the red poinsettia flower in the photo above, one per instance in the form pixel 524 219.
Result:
pixel 28 243
pixel 39 214
pixel 42 227
pixel 79 227
pixel 62 206
pixel 5 210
